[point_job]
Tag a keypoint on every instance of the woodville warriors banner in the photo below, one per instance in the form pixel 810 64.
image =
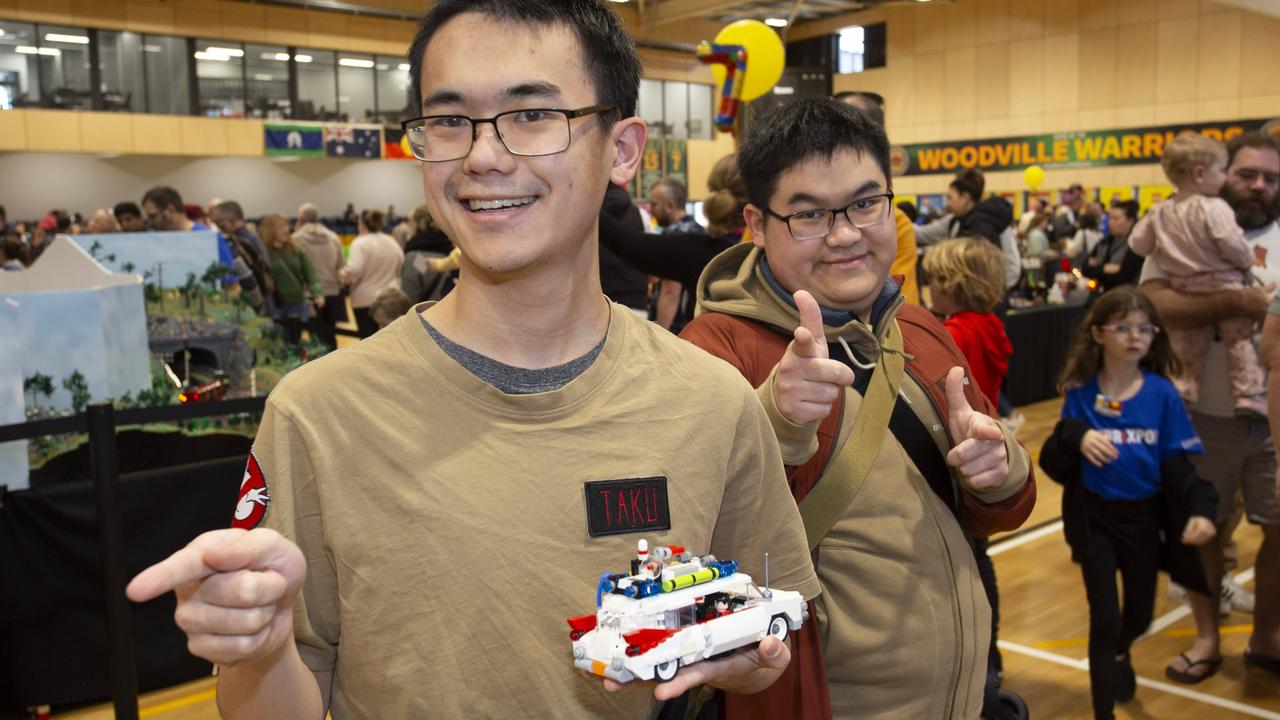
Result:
pixel 1128 146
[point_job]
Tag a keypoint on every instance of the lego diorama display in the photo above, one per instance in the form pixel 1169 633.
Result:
pixel 674 609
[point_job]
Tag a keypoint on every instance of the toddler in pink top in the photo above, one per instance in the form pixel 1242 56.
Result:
pixel 1193 237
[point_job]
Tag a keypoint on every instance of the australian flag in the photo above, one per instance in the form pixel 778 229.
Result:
pixel 352 142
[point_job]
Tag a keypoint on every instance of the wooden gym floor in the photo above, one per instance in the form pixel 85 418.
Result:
pixel 1043 629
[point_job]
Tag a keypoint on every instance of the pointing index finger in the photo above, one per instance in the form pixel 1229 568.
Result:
pixel 810 320
pixel 180 568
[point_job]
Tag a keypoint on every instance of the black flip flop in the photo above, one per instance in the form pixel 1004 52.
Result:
pixel 1187 677
pixel 1270 663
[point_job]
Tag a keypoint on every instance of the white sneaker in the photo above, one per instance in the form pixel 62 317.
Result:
pixel 1235 597
pixel 1014 421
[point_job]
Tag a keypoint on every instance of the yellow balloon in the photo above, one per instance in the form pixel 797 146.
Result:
pixel 1034 175
pixel 765 56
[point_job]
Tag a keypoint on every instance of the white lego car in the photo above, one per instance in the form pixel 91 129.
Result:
pixel 674 610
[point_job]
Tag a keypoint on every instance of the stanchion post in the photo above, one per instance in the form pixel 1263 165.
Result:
pixel 106 483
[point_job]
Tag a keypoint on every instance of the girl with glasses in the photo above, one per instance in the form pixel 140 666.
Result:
pixel 1121 452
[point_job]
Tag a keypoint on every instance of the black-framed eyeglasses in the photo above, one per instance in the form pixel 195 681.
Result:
pixel 527 132
pixel 816 223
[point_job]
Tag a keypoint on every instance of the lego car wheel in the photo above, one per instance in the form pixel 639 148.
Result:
pixel 778 627
pixel 667 670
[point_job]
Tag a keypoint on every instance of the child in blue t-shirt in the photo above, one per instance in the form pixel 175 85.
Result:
pixel 1121 451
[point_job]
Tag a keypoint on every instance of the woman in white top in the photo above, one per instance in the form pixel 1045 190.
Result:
pixel 373 264
pixel 1086 238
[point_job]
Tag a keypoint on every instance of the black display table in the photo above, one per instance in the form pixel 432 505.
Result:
pixel 1041 336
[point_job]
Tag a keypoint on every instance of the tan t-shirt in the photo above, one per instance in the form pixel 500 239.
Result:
pixel 445 523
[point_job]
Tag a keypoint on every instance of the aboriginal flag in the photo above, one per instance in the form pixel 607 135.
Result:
pixel 394 144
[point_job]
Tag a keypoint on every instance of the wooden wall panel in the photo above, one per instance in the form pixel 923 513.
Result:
pixel 1098 14
pixel 157 134
pixel 9 8
pixel 245 21
pixel 199 17
pixel 105 14
pixel 959 19
pixel 1026 90
pixel 244 138
pixel 1026 19
pixel 203 136
pixel 106 132
pixel 960 84
pixel 930 85
pixel 1136 65
pixel 991 21
pixel 1259 36
pixel 149 17
pixel 1061 17
pixel 900 33
pixel 1136 12
pixel 931 33
pixel 1099 75
pixel 47 11
pixel 286 26
pixel 1218 56
pixel 1176 64
pixel 366 34
pixel 13 130
pixel 53 131
pixel 993 83
pixel 326 29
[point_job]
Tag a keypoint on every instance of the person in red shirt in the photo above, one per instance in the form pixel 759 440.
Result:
pixel 966 282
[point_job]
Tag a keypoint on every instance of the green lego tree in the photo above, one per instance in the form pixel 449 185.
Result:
pixel 79 389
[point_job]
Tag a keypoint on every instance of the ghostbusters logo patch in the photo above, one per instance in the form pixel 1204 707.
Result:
pixel 254 497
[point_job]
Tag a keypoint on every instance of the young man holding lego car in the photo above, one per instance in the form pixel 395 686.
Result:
pixel 437 513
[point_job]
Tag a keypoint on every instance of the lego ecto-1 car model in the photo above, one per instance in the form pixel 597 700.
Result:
pixel 674 610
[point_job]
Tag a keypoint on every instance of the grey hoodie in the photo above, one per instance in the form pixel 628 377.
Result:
pixel 325 250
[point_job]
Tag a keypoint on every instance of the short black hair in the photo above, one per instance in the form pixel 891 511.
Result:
pixel 1130 208
pixel 126 208
pixel 1253 139
pixel 163 196
pixel 608 52
pixel 231 208
pixel 970 182
pixel 791 134
pixel 673 186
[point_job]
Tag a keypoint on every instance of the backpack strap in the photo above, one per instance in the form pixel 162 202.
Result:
pixel 830 498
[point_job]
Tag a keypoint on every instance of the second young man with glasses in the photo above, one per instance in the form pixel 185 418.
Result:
pixel 809 315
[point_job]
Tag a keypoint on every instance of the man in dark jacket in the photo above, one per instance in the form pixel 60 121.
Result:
pixel 622 282
pixel 1111 262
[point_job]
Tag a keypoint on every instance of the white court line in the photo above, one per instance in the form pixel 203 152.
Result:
pixel 1024 539
pixel 1182 611
pixel 1154 684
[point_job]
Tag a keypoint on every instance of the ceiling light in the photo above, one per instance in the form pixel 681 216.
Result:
pixel 302 58
pixel 775 22
pixel 355 62
pixel 263 77
pixel 209 56
pixel 228 52
pixel 151 48
pixel 28 50
pixel 72 39
pixel 282 57
pixel 383 66
pixel 404 67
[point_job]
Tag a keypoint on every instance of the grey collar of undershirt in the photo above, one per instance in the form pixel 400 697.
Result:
pixel 510 379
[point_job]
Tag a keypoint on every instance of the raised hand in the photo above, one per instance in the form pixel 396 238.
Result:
pixel 979 453
pixel 808 382
pixel 235 592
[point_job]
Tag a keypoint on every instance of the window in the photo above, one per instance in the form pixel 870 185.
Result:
pixel 701 111
pixel 19 86
pixel 63 55
pixel 851 49
pixel 220 74
pixel 317 85
pixel 267 70
pixel 676 109
pixel 355 88
pixel 165 61
pixel 120 57
pixel 675 114
pixel 395 92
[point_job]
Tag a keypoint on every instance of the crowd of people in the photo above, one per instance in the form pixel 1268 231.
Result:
pixel 833 397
